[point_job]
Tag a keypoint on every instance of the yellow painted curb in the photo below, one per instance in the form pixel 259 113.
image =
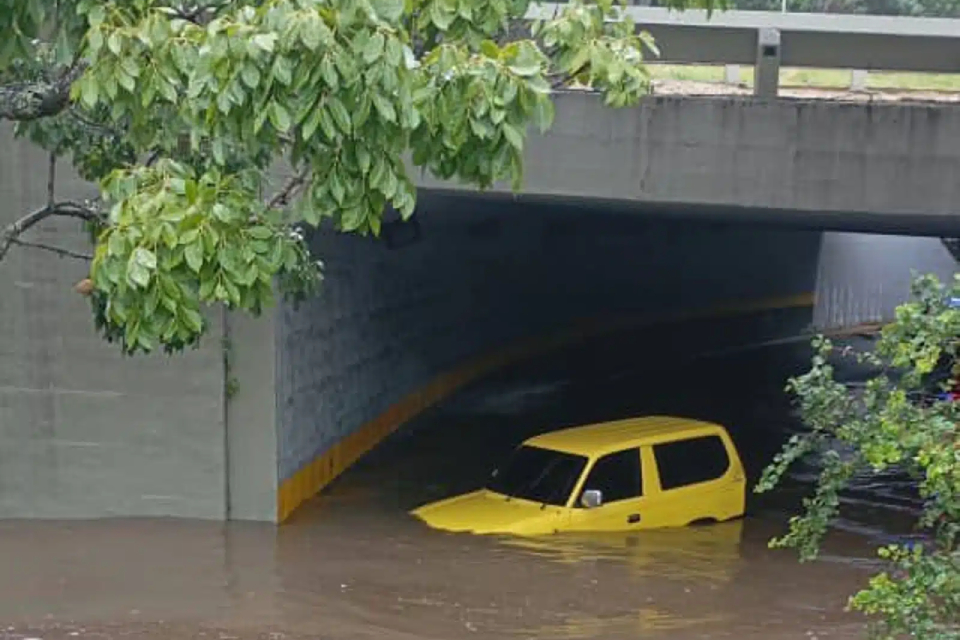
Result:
pixel 322 470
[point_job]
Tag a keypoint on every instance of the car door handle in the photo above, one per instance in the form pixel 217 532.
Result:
pixel 633 518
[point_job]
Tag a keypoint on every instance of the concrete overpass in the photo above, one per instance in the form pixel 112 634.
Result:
pixel 814 163
pixel 744 189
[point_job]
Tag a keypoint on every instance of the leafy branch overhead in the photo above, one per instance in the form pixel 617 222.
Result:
pixel 905 419
pixel 178 108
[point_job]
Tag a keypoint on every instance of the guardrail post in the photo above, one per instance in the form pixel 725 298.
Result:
pixel 858 80
pixel 766 77
pixel 731 73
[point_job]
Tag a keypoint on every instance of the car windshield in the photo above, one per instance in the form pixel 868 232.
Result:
pixel 540 475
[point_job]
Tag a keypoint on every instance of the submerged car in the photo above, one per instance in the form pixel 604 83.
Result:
pixel 639 473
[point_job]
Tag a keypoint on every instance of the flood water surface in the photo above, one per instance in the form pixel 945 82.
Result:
pixel 352 564
pixel 340 573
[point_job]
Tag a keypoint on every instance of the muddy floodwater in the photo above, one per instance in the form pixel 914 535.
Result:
pixel 352 564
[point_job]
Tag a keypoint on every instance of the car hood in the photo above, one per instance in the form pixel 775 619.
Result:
pixel 487 512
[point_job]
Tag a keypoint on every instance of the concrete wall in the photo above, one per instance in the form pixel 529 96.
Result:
pixel 862 278
pixel 850 166
pixel 395 329
pixel 251 416
pixel 85 432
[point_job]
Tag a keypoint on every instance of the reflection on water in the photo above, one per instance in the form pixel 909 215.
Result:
pixel 645 621
pixel 352 564
pixel 705 554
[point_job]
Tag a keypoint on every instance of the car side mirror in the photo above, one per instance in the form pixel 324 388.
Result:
pixel 591 498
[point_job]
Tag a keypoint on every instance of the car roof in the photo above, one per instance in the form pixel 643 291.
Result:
pixel 602 438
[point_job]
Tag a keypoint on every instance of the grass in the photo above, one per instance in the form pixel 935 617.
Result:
pixel 814 78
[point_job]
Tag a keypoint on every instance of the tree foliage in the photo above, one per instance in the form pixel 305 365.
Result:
pixel 902 418
pixel 179 109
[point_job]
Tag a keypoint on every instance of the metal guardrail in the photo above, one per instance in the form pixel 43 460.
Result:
pixel 768 40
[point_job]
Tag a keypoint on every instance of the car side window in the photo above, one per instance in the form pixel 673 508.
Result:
pixel 685 462
pixel 618 475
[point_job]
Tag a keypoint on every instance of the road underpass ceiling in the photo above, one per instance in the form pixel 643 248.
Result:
pixel 946 225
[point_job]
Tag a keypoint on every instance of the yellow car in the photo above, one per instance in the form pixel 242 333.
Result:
pixel 640 473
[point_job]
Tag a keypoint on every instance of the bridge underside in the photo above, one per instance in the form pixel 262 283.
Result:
pixel 876 167
pixel 900 224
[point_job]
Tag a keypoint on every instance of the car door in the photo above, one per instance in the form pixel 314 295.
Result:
pixel 697 480
pixel 619 477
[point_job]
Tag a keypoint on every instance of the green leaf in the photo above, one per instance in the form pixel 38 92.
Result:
pixel 311 123
pixel 192 319
pixel 543 114
pixel 310 34
pixel 329 72
pixel 260 233
pixel 440 18
pixel 250 75
pixel 114 44
pixel 527 70
pixel 116 244
pixel 89 93
pixel 137 275
pixel 580 58
pixel 194 256
pixel 337 187
pixel 283 70
pixel 96 14
pixel 363 159
pixel 340 114
pixel 264 41
pixel 394 53
pixel 513 136
pixel 490 49
pixel 280 117
pixel 373 48
pixel 353 218
pixel 221 212
pixel 145 258
pixel 379 173
pixel 95 40
pixel 326 123
pixel 206 288
pixel 389 184
pixel 388 10
pixel 384 108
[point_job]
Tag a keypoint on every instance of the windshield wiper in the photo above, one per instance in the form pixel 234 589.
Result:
pixel 535 481
pixel 556 490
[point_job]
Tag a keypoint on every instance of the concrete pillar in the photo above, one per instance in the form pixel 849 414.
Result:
pixel 250 353
pixel 767 71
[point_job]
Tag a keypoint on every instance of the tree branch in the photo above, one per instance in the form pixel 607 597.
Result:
pixel 32 100
pixel 67 209
pixel 282 198
pixel 200 14
pixel 51 179
pixel 60 251
pixel 92 127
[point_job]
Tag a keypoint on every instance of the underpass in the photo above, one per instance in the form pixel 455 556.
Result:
pixel 489 284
